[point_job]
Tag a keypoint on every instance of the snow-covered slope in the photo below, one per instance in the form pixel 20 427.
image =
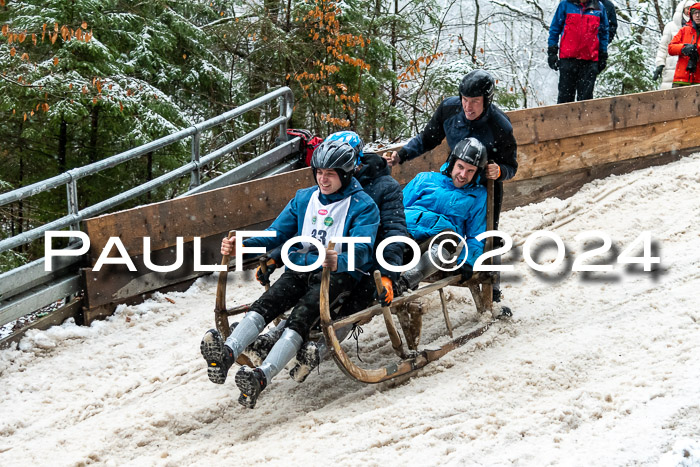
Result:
pixel 596 369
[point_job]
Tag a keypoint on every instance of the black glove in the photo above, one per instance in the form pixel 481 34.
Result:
pixel 553 57
pixel 264 277
pixel 657 72
pixel 602 61
pixel 690 50
pixel 467 271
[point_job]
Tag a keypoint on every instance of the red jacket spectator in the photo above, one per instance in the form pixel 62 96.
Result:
pixel 685 44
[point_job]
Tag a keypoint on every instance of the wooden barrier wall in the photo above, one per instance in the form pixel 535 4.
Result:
pixel 560 148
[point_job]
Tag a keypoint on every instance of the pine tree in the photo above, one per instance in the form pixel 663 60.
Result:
pixel 83 80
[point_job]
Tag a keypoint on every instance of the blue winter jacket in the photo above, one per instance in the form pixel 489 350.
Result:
pixel 362 221
pixel 432 204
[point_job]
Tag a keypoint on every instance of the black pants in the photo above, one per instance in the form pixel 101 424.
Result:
pixel 576 79
pixel 301 290
pixel 362 297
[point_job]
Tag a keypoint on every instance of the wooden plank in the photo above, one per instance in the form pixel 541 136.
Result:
pixel 200 215
pixel 565 155
pixel 577 118
pixel 657 106
pixel 561 121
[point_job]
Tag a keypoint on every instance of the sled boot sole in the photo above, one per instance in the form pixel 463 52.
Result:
pixel 212 349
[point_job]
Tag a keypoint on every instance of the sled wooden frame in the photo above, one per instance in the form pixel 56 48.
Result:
pixel 409 362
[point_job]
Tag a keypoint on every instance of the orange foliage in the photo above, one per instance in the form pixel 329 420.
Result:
pixel 413 68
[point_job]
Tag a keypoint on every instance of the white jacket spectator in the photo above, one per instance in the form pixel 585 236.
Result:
pixel 680 17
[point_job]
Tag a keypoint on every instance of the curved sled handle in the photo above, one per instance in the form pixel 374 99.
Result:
pixel 403 367
pixel 220 315
pixel 342 359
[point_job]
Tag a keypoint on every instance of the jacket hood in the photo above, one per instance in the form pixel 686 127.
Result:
pixel 589 5
pixel 678 17
pixel 695 6
pixel 373 166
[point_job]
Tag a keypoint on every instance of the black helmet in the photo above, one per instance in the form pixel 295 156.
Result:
pixel 336 155
pixel 478 83
pixel 469 150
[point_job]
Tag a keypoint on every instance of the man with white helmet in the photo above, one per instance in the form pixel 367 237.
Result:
pixel 335 207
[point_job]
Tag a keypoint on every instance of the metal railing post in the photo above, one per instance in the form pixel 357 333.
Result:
pixel 72 199
pixel 196 179
pixel 283 125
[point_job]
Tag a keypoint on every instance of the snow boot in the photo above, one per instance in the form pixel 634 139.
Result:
pixel 505 313
pixel 308 358
pixel 261 346
pixel 496 295
pixel 218 356
pixel 251 382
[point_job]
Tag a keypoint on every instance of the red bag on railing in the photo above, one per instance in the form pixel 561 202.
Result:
pixel 309 143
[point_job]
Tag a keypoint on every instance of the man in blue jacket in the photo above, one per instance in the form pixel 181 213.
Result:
pixel 451 200
pixel 583 51
pixel 471 114
pixel 375 177
pixel 336 207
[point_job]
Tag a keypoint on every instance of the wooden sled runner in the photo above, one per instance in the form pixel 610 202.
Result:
pixel 411 359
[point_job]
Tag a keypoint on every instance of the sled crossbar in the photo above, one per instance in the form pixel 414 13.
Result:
pixel 377 309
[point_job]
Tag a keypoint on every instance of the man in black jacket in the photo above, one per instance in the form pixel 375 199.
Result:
pixel 471 114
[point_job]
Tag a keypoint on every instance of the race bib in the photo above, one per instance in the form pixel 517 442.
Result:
pixel 323 222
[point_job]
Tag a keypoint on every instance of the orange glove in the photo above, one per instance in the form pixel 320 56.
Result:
pixel 387 296
pixel 264 277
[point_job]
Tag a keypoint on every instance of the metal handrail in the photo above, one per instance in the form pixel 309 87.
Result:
pixel 70 178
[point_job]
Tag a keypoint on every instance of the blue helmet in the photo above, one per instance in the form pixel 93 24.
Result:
pixel 350 137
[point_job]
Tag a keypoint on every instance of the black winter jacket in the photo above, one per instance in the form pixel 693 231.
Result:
pixel 375 177
pixel 612 18
pixel 493 129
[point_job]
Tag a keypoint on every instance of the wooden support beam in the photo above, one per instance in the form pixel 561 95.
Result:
pixel 532 126
pixel 247 204
pixel 594 149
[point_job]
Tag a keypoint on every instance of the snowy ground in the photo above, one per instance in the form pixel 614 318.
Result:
pixel 592 370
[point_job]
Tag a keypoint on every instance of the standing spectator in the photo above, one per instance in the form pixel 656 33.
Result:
pixel 583 27
pixel 612 25
pixel 471 114
pixel 612 19
pixel 666 63
pixel 685 45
